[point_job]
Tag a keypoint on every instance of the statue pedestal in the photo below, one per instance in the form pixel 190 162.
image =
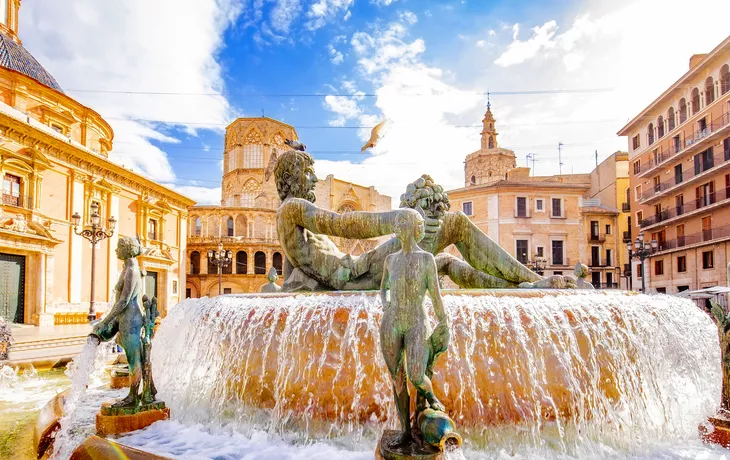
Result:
pixel 111 420
pixel 414 451
pixel 720 432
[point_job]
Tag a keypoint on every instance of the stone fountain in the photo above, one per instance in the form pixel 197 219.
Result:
pixel 585 373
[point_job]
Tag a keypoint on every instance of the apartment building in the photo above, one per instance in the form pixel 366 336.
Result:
pixel 679 154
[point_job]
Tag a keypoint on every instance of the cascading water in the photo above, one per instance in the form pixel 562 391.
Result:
pixel 578 374
pixel 85 369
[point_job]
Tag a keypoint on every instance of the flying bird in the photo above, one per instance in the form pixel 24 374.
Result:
pixel 295 145
pixel 376 135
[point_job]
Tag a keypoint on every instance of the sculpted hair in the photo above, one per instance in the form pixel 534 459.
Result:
pixel 131 246
pixel 289 165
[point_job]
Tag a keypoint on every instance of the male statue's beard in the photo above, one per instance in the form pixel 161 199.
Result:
pixel 306 194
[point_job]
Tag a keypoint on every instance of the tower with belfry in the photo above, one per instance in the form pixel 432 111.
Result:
pixel 490 163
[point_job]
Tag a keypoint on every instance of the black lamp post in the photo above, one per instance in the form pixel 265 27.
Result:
pixel 221 258
pixel 538 264
pixel 94 233
pixel 642 250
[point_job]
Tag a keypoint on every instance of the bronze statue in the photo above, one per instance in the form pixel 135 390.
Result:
pixel 271 286
pixel 723 329
pixel 406 341
pixel 315 263
pixel 132 320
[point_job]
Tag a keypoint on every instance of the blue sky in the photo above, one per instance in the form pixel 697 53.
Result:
pixel 427 64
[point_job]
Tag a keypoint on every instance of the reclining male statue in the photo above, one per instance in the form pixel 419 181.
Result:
pixel 315 263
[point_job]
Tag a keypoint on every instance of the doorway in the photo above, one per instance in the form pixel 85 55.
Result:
pixel 150 285
pixel 596 279
pixel 12 288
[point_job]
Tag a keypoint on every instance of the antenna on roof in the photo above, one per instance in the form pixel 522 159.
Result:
pixel 560 158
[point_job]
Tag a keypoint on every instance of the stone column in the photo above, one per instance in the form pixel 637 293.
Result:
pixel 249 262
pixel 76 262
pixel 112 241
pixel 204 262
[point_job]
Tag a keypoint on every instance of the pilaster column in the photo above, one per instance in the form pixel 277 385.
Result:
pixel 204 262
pixel 41 283
pixel 76 242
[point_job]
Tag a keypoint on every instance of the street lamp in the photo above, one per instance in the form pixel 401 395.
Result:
pixel 94 233
pixel 221 258
pixel 538 264
pixel 642 250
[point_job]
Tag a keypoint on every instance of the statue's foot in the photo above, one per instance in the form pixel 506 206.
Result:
pixel 129 401
pixel 436 404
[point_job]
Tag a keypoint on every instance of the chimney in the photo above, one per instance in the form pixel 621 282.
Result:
pixel 695 59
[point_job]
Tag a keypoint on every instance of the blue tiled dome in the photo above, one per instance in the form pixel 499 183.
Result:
pixel 14 57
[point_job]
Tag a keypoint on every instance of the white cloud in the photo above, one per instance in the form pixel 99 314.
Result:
pixel 491 32
pixel 481 43
pixel 382 2
pixel 336 57
pixel 136 46
pixel 202 195
pixel 323 11
pixel 283 14
pixel 408 17
pixel 519 51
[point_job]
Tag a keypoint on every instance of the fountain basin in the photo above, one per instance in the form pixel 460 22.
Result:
pixel 605 360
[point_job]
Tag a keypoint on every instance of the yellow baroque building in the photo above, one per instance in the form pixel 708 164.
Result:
pixel 53 163
pixel 245 222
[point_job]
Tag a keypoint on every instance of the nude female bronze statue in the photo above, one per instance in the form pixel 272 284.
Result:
pixel 315 263
pixel 131 319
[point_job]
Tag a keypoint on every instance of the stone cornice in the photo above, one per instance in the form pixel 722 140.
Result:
pixel 85 162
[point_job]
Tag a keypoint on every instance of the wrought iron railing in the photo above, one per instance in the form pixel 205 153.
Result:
pixel 625 207
pixel 22 201
pixel 597 237
pixel 694 238
pixel 690 206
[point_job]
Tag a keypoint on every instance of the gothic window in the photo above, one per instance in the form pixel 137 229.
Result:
pixel 229 226
pixel 695 101
pixel 253 156
pixel 253 150
pixel 670 118
pixel 250 190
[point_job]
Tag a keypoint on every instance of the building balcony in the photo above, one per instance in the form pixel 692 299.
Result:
pixel 22 201
pixel 625 207
pixel 522 215
pixel 704 237
pixel 719 160
pixel 663 156
pixel 627 237
pixel 596 237
pixel 686 210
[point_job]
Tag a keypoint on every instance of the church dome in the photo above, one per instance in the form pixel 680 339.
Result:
pixel 15 57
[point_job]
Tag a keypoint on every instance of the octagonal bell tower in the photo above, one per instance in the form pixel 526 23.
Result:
pixel 490 163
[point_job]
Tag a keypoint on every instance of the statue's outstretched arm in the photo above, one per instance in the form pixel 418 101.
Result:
pixel 348 225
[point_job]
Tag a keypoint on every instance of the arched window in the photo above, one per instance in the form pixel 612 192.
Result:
pixel 250 190
pixel 682 110
pixel 650 132
pixel 198 228
pixel 695 101
pixel 709 91
pixel 228 269
pixel 491 142
pixel 670 118
pixel 473 179
pixel 241 263
pixel 230 226
pixel 660 126
pixel 195 263
pixel 278 263
pixel 725 79
pixel 489 173
pixel 259 263
pixel 212 268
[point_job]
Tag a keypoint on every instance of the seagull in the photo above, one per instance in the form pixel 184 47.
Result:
pixel 296 145
pixel 376 135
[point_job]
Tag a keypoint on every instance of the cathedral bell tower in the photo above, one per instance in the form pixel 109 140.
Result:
pixel 489 133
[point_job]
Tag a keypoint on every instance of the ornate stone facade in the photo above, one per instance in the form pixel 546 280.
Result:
pixel 490 163
pixel 246 220
pixel 53 162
